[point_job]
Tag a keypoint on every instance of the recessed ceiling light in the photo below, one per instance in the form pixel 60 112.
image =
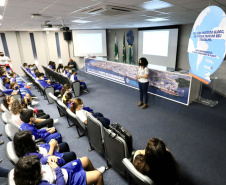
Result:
pixel 155 4
pixel 2 2
pixel 0 16
pixel 80 21
pixel 157 19
pixel 50 29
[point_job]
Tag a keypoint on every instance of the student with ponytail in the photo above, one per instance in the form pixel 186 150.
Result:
pixel 65 89
pixel 77 108
pixel 67 99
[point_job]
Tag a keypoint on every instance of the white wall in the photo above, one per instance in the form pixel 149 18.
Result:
pixel 20 48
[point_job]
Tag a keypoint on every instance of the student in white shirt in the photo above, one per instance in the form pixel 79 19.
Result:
pixel 143 81
pixel 77 108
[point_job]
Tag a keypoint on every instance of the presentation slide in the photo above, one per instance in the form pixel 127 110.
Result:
pixel 89 42
pixel 158 46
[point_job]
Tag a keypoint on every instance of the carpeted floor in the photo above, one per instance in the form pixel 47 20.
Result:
pixel 194 134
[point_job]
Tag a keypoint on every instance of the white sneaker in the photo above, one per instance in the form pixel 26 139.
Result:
pixel 101 169
pixel 34 102
pixel 29 84
pixel 55 121
pixel 29 107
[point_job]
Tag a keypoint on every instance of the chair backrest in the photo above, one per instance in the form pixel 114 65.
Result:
pixel 137 177
pixel 6 116
pixel 10 131
pixel 62 107
pixel 53 97
pixel 74 118
pixel 95 132
pixel 76 88
pixel 4 109
pixel 48 90
pixel 115 150
pixel 11 153
pixel 11 178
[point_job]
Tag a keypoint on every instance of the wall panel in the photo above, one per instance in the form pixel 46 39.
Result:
pixel 14 52
pixel 51 40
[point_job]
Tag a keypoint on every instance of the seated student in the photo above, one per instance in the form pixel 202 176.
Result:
pixel 17 107
pixel 23 91
pixel 6 82
pixel 29 170
pixel 26 67
pixel 19 82
pixel 65 70
pixel 3 74
pixel 67 99
pixel 65 89
pixel 157 162
pixel 48 82
pixel 50 64
pixel 60 68
pixel 28 117
pixel 74 78
pixel 18 78
pixel 7 101
pixel 53 66
pixel 77 108
pixel 24 145
pixel 69 72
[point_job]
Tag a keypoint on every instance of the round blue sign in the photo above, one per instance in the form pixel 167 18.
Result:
pixel 207 43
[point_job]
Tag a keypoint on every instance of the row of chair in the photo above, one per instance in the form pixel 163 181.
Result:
pixel 61 79
pixel 105 142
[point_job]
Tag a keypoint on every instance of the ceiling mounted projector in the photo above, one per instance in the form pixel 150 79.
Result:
pixel 46 25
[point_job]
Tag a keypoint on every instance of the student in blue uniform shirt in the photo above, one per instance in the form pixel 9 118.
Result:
pixel 65 70
pixel 26 67
pixel 22 91
pixel 74 78
pixel 29 170
pixel 69 73
pixel 28 117
pixel 50 65
pixel 48 82
pixel 15 86
pixel 24 145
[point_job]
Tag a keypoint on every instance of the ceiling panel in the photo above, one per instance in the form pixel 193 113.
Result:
pixel 197 5
pixel 18 13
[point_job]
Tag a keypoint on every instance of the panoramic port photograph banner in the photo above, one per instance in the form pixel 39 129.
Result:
pixel 168 85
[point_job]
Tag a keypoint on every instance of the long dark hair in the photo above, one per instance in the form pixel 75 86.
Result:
pixel 28 171
pixel 24 144
pixel 64 88
pixel 60 66
pixel 144 62
pixel 154 153
pixel 4 80
pixel 75 103
pixel 5 101
pixel 66 98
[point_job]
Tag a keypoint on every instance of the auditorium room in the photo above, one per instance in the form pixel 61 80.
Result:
pixel 114 92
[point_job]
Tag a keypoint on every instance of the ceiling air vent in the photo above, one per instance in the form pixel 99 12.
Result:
pixel 109 10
